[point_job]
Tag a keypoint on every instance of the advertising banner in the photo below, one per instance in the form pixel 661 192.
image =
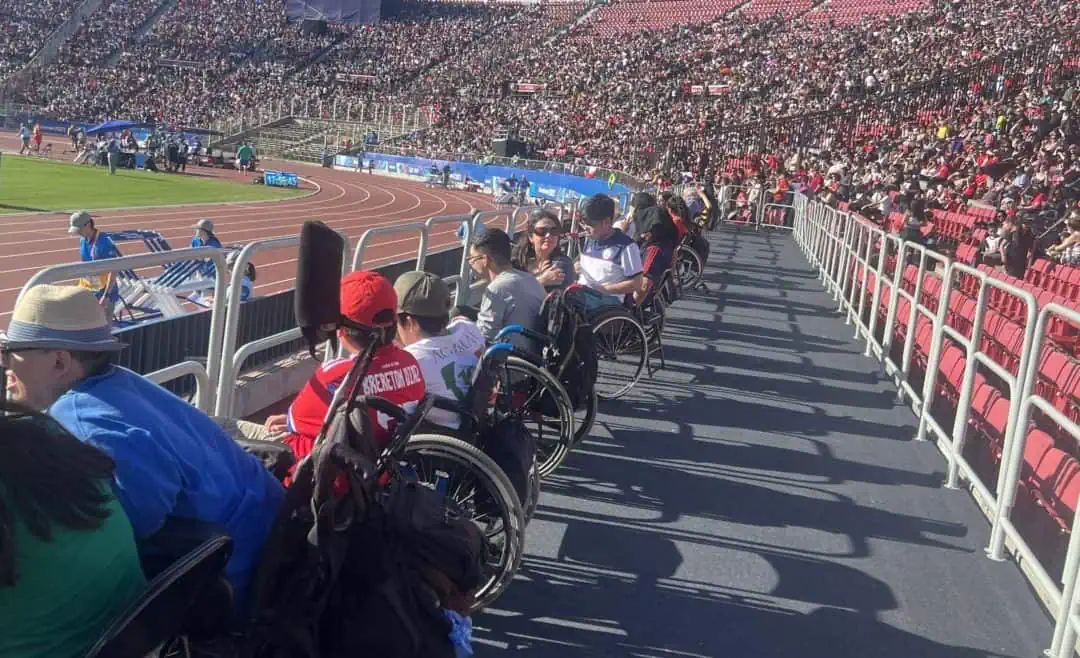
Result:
pixel 528 87
pixel 280 179
pixel 546 185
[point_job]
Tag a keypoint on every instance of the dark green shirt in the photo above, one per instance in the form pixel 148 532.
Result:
pixel 68 590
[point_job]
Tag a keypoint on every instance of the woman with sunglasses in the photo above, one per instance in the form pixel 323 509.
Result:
pixel 538 252
pixel 68 561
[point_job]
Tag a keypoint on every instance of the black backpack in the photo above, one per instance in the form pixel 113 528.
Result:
pixel 363 573
pixel 571 355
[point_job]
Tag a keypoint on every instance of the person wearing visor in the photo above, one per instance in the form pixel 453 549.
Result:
pixel 537 251
pixel 368 302
pixel 610 261
pixel 93 246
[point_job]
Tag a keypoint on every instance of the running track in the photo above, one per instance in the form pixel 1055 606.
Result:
pixel 347 201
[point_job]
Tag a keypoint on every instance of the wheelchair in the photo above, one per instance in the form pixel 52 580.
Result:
pixel 627 337
pixel 188 607
pixel 456 468
pixel 692 255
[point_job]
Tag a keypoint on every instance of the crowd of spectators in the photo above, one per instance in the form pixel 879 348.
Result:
pixel 606 96
pixel 1018 157
pixel 24 28
pixel 600 94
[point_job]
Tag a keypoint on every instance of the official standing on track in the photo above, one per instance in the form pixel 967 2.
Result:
pixel 95 245
pixel 113 149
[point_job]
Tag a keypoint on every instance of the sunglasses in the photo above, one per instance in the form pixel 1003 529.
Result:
pixel 543 232
pixel 6 352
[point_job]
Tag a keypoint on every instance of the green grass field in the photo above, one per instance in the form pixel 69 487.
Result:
pixel 31 184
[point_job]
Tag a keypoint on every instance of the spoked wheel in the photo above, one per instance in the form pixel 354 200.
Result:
pixel 621 351
pixel 545 407
pixel 688 267
pixel 583 422
pixel 469 478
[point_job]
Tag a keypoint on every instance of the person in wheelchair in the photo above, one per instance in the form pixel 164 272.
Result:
pixel 659 239
pixel 537 251
pixel 172 460
pixel 447 351
pixel 68 561
pixel 367 301
pixel 610 261
pixel 511 296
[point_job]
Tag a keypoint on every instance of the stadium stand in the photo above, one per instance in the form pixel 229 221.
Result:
pixel 899 142
pixel 25 28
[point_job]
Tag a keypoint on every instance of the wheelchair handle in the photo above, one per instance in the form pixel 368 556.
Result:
pixel 511 329
pixel 407 423
pixel 496 354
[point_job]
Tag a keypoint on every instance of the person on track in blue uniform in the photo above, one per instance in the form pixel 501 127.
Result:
pixel 93 246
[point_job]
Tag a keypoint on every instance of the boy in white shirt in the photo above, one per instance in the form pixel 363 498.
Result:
pixel 448 352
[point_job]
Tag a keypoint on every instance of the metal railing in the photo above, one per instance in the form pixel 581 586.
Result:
pixel 58 273
pixel 853 258
pixel 203 388
pixel 227 353
pixel 216 383
pixel 392 118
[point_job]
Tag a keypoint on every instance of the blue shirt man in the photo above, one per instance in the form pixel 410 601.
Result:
pixel 93 246
pixel 204 237
pixel 172 460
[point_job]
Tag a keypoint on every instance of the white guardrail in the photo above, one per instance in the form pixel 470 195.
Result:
pixel 853 257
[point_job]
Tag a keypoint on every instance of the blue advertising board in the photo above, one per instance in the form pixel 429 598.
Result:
pixel 542 184
pixel 280 179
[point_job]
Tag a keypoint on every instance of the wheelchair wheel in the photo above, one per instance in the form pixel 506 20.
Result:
pixel 688 267
pixel 546 410
pixel 473 481
pixel 621 350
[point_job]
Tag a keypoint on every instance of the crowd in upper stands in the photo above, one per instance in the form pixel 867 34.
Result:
pixel 24 27
pixel 606 88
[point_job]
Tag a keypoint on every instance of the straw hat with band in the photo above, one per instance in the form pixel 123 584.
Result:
pixel 51 317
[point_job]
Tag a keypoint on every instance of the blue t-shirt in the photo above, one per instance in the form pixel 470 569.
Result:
pixel 174 460
pixel 208 269
pixel 100 248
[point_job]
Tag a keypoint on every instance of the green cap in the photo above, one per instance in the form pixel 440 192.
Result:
pixel 422 294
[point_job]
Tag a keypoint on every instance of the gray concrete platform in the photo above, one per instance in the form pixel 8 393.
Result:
pixel 760 497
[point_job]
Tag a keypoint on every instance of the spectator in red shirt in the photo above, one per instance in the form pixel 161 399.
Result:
pixel 368 300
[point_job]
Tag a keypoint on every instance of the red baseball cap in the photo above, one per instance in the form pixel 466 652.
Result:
pixel 364 295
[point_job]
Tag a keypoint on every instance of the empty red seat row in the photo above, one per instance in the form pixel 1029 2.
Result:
pixel 1063 280
pixel 1050 472
pixel 1051 476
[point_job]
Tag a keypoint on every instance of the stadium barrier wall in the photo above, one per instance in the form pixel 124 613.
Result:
pixel 544 185
pixel 852 256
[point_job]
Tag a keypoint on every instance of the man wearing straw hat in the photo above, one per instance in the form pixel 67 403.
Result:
pixel 172 460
